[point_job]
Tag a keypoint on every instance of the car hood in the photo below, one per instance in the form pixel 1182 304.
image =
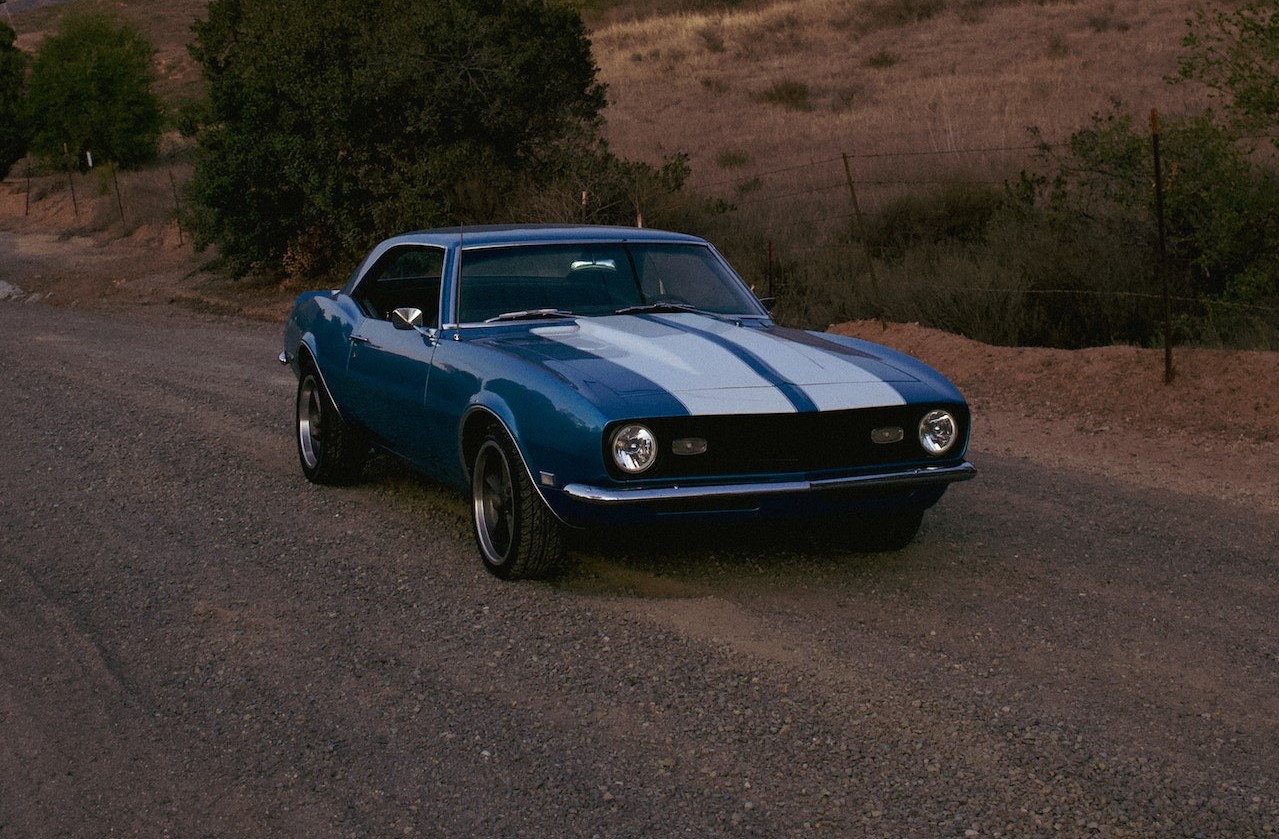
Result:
pixel 711 366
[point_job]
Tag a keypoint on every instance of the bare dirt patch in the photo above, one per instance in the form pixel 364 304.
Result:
pixel 78 251
pixel 1213 429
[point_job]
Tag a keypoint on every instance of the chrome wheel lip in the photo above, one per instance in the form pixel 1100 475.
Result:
pixel 310 422
pixel 492 494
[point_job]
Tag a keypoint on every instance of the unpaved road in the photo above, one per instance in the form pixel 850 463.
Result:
pixel 195 642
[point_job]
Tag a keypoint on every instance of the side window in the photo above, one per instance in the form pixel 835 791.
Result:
pixel 405 276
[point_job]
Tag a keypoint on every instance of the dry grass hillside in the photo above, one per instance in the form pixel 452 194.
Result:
pixel 767 101
pixel 772 90
pixel 765 97
pixel 757 92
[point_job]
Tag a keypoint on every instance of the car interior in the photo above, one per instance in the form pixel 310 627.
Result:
pixel 407 276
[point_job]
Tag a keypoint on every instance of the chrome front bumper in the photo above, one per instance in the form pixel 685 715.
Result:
pixel 928 476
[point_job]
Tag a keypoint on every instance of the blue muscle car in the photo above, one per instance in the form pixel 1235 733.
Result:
pixel 585 376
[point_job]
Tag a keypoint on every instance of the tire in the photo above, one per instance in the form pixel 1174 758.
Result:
pixel 891 532
pixel 329 449
pixel 517 534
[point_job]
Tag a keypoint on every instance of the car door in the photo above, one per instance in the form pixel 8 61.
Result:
pixel 389 367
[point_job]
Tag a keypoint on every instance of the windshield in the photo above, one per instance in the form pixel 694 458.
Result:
pixel 596 279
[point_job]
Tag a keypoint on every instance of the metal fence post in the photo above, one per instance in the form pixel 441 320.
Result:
pixel 1160 267
pixel 859 231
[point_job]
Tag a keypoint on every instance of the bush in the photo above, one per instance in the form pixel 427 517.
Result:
pixel 327 131
pixel 13 135
pixel 90 91
pixel 1236 54
pixel 1067 254
pixel 788 93
pixel 886 14
pixel 954 212
pixel 1221 208
pixel 883 59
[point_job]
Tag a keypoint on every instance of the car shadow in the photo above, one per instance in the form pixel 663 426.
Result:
pixel 669 558
pixel 697 560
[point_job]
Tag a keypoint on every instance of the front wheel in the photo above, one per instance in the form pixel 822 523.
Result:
pixel 517 534
pixel 330 450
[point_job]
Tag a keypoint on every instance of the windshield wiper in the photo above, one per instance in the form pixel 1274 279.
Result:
pixel 670 308
pixel 531 314
pixel 665 307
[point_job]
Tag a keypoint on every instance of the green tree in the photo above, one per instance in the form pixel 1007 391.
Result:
pixel 1235 53
pixel 90 90
pixel 13 70
pixel 1221 210
pixel 330 126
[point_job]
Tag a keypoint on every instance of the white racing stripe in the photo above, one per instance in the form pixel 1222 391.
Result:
pixel 831 380
pixel 728 369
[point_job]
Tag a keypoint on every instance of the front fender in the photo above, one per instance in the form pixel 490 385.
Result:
pixel 320 328
pixel 556 429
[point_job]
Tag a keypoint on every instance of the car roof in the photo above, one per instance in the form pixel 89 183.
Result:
pixel 530 234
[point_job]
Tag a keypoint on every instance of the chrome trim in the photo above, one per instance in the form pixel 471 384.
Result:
pixel 926 476
pixel 283 358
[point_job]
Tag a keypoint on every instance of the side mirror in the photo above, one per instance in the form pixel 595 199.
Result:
pixel 407 317
pixel 768 302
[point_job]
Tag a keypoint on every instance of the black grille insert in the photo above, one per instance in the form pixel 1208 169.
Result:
pixel 765 444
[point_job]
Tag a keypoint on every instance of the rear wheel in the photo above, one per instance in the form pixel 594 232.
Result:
pixel 330 450
pixel 517 534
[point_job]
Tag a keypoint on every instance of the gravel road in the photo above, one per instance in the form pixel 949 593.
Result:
pixel 194 642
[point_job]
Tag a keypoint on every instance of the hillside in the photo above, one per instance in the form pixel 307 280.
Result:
pixel 765 97
pixel 867 78
pixel 767 100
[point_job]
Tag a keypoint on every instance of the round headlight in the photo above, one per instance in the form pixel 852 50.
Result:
pixel 634 448
pixel 938 432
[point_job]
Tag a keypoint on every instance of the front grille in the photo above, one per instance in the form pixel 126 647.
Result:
pixel 805 443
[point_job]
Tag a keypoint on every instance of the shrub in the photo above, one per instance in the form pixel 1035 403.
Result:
pixel 788 93
pixel 13 134
pixel 328 130
pixel 887 14
pixel 90 91
pixel 1236 54
pixel 712 37
pixel 883 59
pixel 953 212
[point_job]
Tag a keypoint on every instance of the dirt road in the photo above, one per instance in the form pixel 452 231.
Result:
pixel 195 642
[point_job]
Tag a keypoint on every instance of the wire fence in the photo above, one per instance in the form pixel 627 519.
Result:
pixel 101 195
pixel 811 211
pixel 804 206
pixel 826 206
